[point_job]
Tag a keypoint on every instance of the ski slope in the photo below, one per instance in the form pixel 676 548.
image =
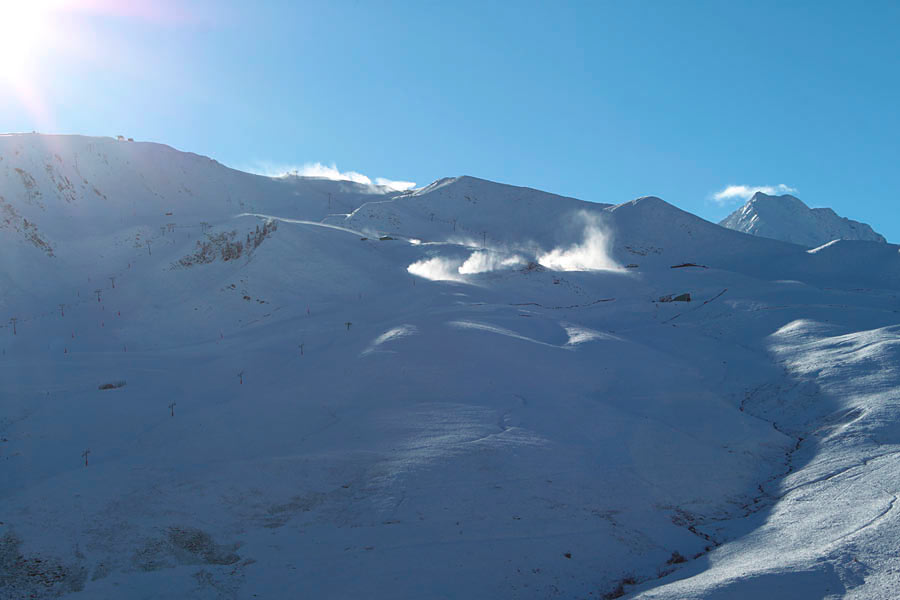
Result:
pixel 470 389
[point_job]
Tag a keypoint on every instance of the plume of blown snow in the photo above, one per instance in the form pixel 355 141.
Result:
pixel 733 193
pixel 388 336
pixel 592 254
pixel 322 171
pixel 440 268
pixel 330 172
pixel 483 261
pixel 437 268
pixel 400 186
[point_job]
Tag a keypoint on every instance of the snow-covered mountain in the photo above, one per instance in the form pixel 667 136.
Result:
pixel 221 385
pixel 788 219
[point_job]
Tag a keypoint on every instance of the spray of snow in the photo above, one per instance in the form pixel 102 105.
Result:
pixel 592 254
pixel 317 169
pixel 579 334
pixel 388 336
pixel 441 268
pixel 400 186
pixel 484 261
pixel 437 268
pixel 734 193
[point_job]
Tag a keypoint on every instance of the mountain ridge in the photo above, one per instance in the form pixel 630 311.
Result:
pixel 223 385
pixel 789 219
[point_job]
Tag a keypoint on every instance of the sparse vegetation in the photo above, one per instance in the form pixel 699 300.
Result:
pixel 34 576
pixel 183 545
pixel 225 246
pixel 10 218
pixel 200 544
pixel 112 385
pixel 686 297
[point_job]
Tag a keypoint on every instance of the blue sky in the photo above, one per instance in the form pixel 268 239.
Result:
pixel 598 100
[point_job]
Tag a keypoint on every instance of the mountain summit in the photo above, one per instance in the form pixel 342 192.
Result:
pixel 788 219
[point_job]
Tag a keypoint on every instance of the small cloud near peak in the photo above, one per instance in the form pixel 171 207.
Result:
pixel 742 193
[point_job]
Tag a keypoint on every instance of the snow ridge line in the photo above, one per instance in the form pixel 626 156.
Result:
pixel 824 478
pixel 562 307
pixel 302 222
pixel 871 522
pixel 697 308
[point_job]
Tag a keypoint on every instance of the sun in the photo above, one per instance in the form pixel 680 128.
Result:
pixel 23 32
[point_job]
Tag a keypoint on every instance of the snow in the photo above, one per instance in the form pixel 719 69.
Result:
pixel 348 424
pixel 788 219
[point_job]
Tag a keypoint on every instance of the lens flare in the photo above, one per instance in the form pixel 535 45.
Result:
pixel 23 32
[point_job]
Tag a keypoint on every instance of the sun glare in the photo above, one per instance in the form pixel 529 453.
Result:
pixel 23 30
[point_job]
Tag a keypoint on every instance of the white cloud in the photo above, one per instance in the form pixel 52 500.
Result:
pixel 322 171
pixel 735 193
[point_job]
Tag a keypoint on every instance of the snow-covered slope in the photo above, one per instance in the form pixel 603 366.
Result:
pixel 475 390
pixel 788 219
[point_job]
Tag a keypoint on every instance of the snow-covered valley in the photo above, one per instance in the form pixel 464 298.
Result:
pixel 221 385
